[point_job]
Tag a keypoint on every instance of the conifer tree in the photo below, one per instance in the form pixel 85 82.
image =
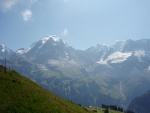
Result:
pixel 106 110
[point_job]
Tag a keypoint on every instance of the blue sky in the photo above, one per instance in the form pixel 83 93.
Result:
pixel 80 23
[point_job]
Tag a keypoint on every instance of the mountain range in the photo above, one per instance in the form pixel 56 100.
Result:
pixel 102 74
pixel 141 103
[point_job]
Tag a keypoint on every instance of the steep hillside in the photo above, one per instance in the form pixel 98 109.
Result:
pixel 141 104
pixel 21 95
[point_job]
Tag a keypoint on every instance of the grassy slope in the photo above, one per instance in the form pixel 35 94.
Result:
pixel 21 95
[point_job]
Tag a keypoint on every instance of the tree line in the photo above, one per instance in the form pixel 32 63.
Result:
pixel 114 107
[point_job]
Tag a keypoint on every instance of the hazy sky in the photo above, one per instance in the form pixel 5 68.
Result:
pixel 80 23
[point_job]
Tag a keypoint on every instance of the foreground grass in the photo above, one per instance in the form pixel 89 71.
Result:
pixel 20 95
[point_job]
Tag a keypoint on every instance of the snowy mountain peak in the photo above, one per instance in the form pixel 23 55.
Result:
pixel 53 37
pixel 44 43
pixel 21 51
pixel 3 48
pixel 97 48
pixel 5 51
pixel 120 51
pixel 118 45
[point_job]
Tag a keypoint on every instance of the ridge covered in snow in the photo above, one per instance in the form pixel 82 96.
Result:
pixel 120 51
pixel 5 51
pixel 46 38
pixel 3 48
pixel 41 42
pixel 116 57
pixel 53 37
pixel 21 51
pixel 119 45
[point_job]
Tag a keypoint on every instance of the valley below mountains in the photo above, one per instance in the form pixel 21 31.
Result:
pixel 102 74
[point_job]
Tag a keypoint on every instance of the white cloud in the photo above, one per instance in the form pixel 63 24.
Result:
pixel 32 1
pixel 8 4
pixel 27 14
pixel 149 68
pixel 65 32
pixel 66 0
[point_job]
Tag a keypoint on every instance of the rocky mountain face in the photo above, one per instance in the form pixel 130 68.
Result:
pixel 141 103
pixel 102 74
